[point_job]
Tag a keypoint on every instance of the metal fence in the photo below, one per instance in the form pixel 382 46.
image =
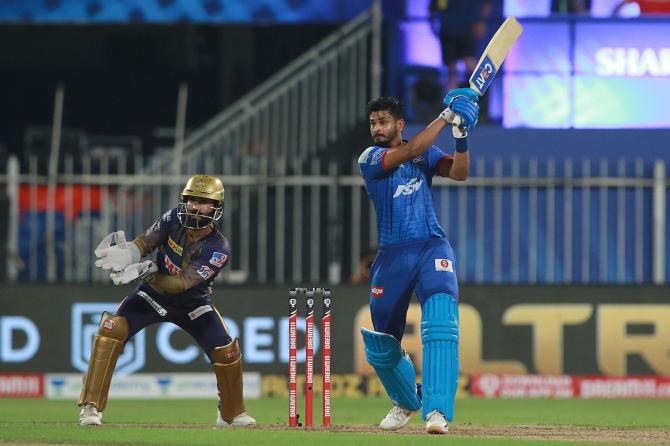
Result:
pixel 296 113
pixel 513 221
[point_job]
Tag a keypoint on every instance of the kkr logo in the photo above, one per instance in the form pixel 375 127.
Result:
pixel 407 189
pixel 85 322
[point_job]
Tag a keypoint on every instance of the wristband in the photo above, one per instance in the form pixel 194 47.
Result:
pixel 461 144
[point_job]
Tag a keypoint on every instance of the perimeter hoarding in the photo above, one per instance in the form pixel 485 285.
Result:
pixel 503 329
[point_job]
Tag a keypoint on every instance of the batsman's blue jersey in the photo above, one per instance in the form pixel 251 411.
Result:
pixel 402 196
pixel 414 255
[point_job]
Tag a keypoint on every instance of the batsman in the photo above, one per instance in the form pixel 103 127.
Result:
pixel 414 256
pixel 176 288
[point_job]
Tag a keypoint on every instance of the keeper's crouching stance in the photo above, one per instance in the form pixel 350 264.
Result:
pixel 177 289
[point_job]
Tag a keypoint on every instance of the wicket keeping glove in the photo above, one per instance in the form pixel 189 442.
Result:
pixel 132 272
pixel 117 256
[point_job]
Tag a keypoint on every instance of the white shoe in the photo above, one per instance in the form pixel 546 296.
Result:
pixel 89 416
pixel 396 418
pixel 242 419
pixel 436 423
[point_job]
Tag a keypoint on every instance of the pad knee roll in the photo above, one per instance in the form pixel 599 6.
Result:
pixel 107 346
pixel 439 333
pixel 227 365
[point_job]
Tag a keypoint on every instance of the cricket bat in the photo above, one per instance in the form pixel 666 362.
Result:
pixel 493 57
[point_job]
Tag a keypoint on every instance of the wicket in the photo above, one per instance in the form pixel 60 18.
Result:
pixel 326 350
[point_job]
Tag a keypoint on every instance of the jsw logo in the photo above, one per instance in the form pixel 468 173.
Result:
pixel 407 189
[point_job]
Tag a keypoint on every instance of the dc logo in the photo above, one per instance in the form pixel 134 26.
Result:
pixel 85 322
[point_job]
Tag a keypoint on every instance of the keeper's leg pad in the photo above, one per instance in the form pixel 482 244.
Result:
pixel 107 346
pixel 439 333
pixel 394 368
pixel 228 369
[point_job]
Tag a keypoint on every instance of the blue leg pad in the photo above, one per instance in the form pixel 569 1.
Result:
pixel 439 333
pixel 395 370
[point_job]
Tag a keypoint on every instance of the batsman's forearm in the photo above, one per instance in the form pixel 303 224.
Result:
pixel 425 138
pixel 168 284
pixel 460 169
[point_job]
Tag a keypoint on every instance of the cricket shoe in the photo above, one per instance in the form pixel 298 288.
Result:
pixel 89 416
pixel 396 418
pixel 242 419
pixel 436 423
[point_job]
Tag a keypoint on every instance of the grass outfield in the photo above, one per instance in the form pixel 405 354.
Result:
pixel 479 421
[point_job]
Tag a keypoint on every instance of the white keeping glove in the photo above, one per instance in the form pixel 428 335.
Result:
pixel 116 257
pixel 134 271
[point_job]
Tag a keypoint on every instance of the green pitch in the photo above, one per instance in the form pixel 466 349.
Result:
pixel 479 421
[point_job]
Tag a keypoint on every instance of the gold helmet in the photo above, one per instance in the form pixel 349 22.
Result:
pixel 207 189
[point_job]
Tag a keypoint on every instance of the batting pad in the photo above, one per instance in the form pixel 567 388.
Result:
pixel 394 369
pixel 439 333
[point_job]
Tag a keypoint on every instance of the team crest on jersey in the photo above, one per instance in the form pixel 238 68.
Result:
pixel 376 157
pixel 377 291
pixel 175 247
pixel 419 160
pixel 205 272
pixel 444 265
pixel 218 259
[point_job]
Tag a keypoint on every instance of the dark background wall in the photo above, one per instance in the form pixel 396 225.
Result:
pixel 123 79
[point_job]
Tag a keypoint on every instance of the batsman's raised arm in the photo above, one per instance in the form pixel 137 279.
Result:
pixel 387 121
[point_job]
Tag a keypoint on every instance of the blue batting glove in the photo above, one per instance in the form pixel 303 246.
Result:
pixel 467 109
pixel 468 93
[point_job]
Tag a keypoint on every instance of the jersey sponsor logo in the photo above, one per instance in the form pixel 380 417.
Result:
pixel 171 267
pixel 412 186
pixel 155 305
pixel 218 259
pixel 377 291
pixel 419 160
pixel 167 216
pixel 200 311
pixel 175 247
pixel 444 265
pixel 205 272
